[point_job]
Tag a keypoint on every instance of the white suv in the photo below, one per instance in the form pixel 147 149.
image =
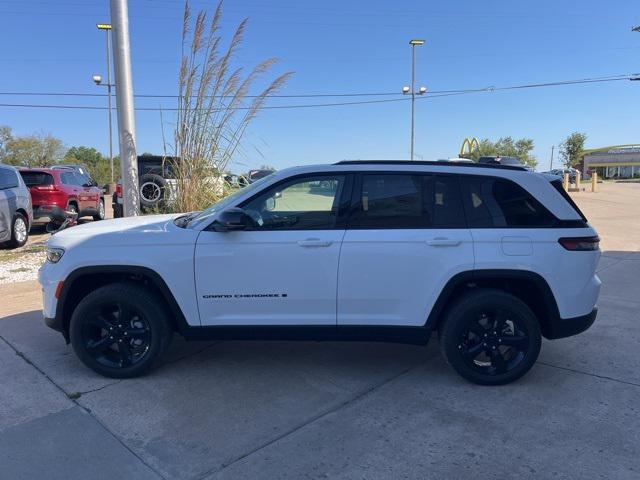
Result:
pixel 491 257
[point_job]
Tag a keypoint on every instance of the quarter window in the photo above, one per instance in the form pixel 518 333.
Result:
pixel 408 201
pixel 500 203
pixel 309 203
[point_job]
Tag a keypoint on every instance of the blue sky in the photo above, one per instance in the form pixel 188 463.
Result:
pixel 347 47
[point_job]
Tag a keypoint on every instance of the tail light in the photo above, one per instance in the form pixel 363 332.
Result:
pixel 45 188
pixel 580 244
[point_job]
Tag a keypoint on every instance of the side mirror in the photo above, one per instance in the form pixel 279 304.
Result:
pixel 231 219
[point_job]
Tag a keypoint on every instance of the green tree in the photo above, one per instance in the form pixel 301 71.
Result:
pixel 5 136
pixel 96 163
pixel 571 149
pixel 507 147
pixel 39 150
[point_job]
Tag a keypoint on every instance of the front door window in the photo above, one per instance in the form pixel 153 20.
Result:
pixel 308 203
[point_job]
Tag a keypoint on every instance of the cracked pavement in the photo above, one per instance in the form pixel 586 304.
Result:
pixel 333 410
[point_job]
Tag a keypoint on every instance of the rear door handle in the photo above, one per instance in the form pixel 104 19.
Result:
pixel 444 242
pixel 314 242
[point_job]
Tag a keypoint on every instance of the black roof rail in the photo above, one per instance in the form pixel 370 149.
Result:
pixel 432 163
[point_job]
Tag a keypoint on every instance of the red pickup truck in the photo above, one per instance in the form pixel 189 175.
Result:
pixel 63 188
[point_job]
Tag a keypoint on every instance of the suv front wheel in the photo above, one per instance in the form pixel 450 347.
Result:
pixel 120 330
pixel 490 337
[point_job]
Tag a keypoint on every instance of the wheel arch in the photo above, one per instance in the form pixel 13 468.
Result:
pixel 86 279
pixel 25 214
pixel 528 286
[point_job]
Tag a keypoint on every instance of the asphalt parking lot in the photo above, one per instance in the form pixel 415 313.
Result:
pixel 334 410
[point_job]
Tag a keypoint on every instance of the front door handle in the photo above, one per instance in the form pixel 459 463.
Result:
pixel 314 242
pixel 444 242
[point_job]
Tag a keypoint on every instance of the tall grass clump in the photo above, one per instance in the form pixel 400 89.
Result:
pixel 214 107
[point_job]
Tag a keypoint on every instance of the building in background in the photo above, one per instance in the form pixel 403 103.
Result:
pixel 618 161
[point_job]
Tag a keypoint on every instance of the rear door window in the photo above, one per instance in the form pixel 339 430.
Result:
pixel 408 201
pixel 33 179
pixel 492 202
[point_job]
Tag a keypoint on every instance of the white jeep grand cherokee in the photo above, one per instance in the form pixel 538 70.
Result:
pixel 491 257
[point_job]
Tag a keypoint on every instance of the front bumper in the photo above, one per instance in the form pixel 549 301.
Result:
pixel 567 327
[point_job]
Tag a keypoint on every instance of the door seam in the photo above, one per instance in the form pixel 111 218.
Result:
pixel 338 274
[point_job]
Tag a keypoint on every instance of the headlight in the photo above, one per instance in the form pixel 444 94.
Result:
pixel 54 254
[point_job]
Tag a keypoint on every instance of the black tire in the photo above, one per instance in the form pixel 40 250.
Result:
pixel 490 337
pixel 153 189
pixel 101 211
pixel 19 231
pixel 120 330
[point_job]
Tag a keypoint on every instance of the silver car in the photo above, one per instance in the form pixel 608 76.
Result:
pixel 15 208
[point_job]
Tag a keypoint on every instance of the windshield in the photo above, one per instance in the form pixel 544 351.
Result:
pixel 225 202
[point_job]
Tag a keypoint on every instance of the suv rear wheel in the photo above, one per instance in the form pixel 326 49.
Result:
pixel 490 337
pixel 120 330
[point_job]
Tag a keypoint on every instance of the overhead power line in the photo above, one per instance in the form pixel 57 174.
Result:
pixel 434 94
pixel 305 95
pixel 319 95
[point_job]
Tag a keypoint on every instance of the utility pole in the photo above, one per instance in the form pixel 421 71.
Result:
pixel 107 28
pixel 551 164
pixel 124 103
pixel 405 90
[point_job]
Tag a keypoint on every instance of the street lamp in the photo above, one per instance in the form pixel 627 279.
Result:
pixel 412 90
pixel 98 81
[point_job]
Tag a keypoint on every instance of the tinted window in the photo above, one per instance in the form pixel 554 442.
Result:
pixel 81 179
pixel 8 178
pixel 309 203
pixel 31 179
pixel 495 202
pixel 68 178
pixel 409 201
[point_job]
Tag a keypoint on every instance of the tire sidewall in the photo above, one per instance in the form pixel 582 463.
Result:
pixel 137 297
pixel 101 214
pixel 456 320
pixel 14 241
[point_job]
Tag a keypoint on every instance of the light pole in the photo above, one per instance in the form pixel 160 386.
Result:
pixel 98 80
pixel 125 108
pixel 412 90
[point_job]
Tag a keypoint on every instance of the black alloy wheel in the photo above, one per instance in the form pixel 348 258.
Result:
pixel 117 336
pixel 121 330
pixel 490 337
pixel 494 342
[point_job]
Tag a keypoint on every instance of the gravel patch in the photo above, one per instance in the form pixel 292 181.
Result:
pixel 21 264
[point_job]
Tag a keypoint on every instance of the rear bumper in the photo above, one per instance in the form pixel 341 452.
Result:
pixel 567 327
pixel 42 211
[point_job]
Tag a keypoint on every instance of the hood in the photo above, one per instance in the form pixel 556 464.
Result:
pixel 148 229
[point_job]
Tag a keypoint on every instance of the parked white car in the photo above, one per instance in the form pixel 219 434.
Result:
pixel 491 257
